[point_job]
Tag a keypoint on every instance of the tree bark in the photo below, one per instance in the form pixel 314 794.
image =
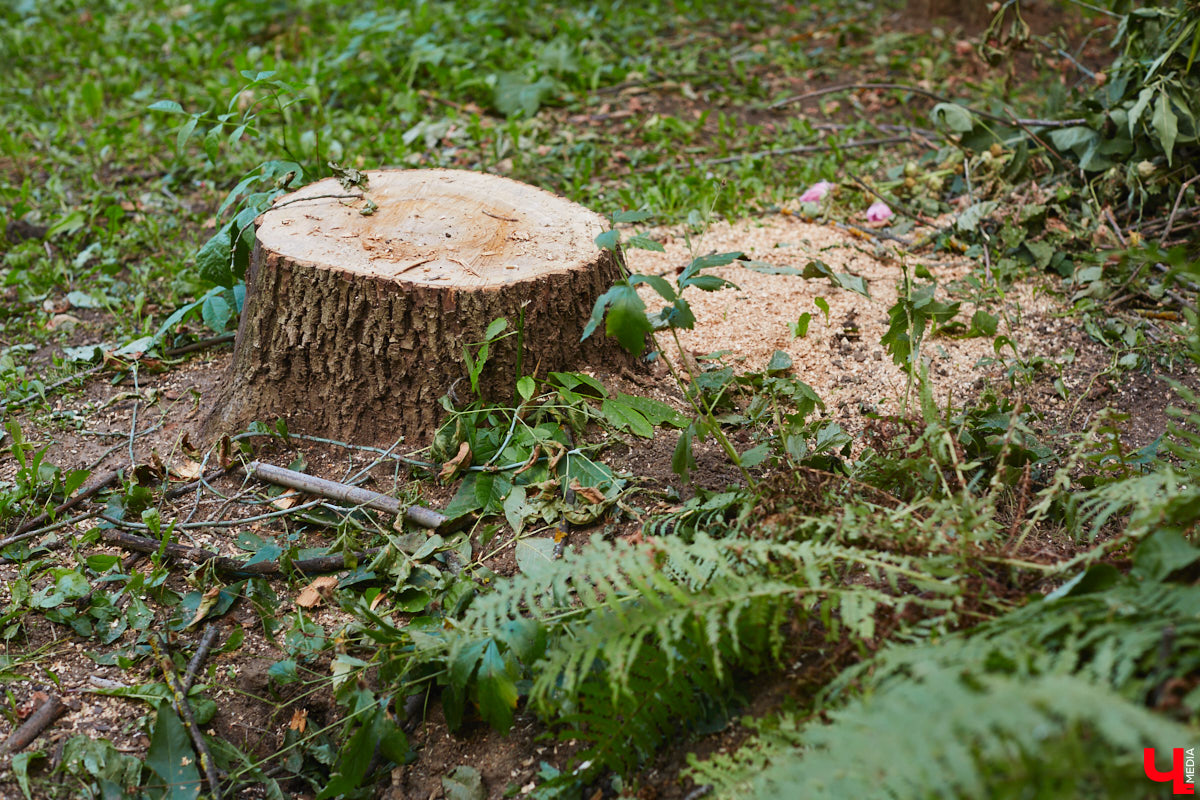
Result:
pixel 356 315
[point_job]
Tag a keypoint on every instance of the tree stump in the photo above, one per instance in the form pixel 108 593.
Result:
pixel 356 314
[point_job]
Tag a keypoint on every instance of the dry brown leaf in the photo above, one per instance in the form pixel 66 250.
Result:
pixel 460 461
pixel 559 449
pixel 378 599
pixel 588 493
pixel 299 720
pixel 185 469
pixel 320 589
pixel 285 501
pixel 207 601
pixel 533 457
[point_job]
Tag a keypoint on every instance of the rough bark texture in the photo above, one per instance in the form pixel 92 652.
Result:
pixel 359 344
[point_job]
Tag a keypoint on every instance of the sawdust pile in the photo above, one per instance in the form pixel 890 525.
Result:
pixel 841 357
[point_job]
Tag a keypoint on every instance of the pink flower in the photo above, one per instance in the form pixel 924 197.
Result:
pixel 878 212
pixel 816 192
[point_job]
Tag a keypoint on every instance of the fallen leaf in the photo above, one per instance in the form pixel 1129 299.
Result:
pixel 320 589
pixel 559 449
pixel 185 469
pixel 285 501
pixel 207 601
pixel 299 720
pixel 588 493
pixel 533 457
pixel 378 599
pixel 460 461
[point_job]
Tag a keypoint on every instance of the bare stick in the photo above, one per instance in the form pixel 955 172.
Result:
pixel 1162 240
pixel 179 701
pixel 1037 123
pixel 417 515
pixel 212 632
pixel 203 344
pixel 35 395
pixel 198 555
pixel 38 721
pixel 806 148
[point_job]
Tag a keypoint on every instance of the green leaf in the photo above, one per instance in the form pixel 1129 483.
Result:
pixel 215 257
pixel 970 219
pixel 517 510
pixel 683 460
pixel 1096 578
pixel 799 328
pixel 168 106
pixel 526 387
pixel 656 412
pixel 185 133
pixel 494 329
pixel 707 283
pixel 171 756
pixel 1166 124
pixel 496 689
pixel 535 556
pixel 463 783
pixel 842 280
pixel 1163 553
pixel 608 240
pixel 631 216
pixel 20 768
pixel 823 304
pixel 656 282
pixel 355 756
pixel 641 242
pixel 780 362
pixel 514 94
pixel 952 117
pixel 625 418
pixel 983 324
pixel 756 455
pixel 769 269
pixel 216 313
pixel 627 319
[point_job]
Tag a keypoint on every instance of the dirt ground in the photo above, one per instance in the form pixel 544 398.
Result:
pixel 106 427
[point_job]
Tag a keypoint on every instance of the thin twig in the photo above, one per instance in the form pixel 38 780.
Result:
pixel 29 398
pixel 179 701
pixel 232 566
pixel 1036 123
pixel 1112 221
pixel 915 215
pixel 1162 240
pixel 203 344
pixel 212 632
pixel 38 721
pixel 804 148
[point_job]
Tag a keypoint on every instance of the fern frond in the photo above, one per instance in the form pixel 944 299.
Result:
pixel 636 635
pixel 987 736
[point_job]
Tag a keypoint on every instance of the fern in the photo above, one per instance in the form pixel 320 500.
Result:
pixel 1046 695
pixel 986 736
pixel 638 639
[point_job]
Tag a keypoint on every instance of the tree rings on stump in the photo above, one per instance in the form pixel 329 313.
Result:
pixel 358 308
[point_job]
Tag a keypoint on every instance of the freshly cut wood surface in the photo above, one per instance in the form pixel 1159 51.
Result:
pixel 434 227
pixel 354 324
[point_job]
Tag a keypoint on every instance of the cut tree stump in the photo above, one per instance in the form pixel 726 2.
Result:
pixel 354 323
